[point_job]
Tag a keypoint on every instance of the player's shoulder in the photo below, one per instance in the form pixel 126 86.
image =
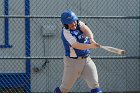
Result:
pixel 65 31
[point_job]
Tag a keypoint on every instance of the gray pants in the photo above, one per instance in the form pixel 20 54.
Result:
pixel 75 68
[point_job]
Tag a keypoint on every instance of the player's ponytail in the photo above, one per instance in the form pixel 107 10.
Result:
pixel 66 26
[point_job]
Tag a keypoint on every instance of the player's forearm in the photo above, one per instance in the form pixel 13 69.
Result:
pixel 89 34
pixel 87 31
pixel 82 46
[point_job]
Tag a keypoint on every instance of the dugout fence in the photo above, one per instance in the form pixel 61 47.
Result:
pixel 31 51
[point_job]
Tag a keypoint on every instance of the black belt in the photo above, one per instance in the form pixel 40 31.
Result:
pixel 80 57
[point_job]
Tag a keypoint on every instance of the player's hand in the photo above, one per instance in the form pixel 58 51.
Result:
pixel 95 45
pixel 92 40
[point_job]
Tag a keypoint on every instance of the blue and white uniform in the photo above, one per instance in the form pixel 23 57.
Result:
pixel 69 37
pixel 76 62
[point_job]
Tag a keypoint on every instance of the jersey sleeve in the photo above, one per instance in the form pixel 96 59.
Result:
pixel 69 37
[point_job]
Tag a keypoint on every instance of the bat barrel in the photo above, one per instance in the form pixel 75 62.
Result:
pixel 114 50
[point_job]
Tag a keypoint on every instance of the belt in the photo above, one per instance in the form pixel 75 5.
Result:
pixel 80 57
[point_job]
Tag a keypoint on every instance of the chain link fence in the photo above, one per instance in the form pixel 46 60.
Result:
pixel 31 51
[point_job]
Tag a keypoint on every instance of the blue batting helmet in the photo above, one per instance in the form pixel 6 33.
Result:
pixel 68 17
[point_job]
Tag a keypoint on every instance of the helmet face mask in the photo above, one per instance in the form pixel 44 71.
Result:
pixel 68 17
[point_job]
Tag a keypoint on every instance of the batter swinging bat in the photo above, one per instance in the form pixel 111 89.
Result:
pixel 113 50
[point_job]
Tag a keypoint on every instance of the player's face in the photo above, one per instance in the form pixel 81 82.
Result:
pixel 73 25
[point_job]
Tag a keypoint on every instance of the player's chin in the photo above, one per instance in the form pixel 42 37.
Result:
pixel 73 28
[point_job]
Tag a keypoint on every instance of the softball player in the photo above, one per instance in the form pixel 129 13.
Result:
pixel 77 40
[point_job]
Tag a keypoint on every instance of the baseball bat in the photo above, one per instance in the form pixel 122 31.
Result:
pixel 113 50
